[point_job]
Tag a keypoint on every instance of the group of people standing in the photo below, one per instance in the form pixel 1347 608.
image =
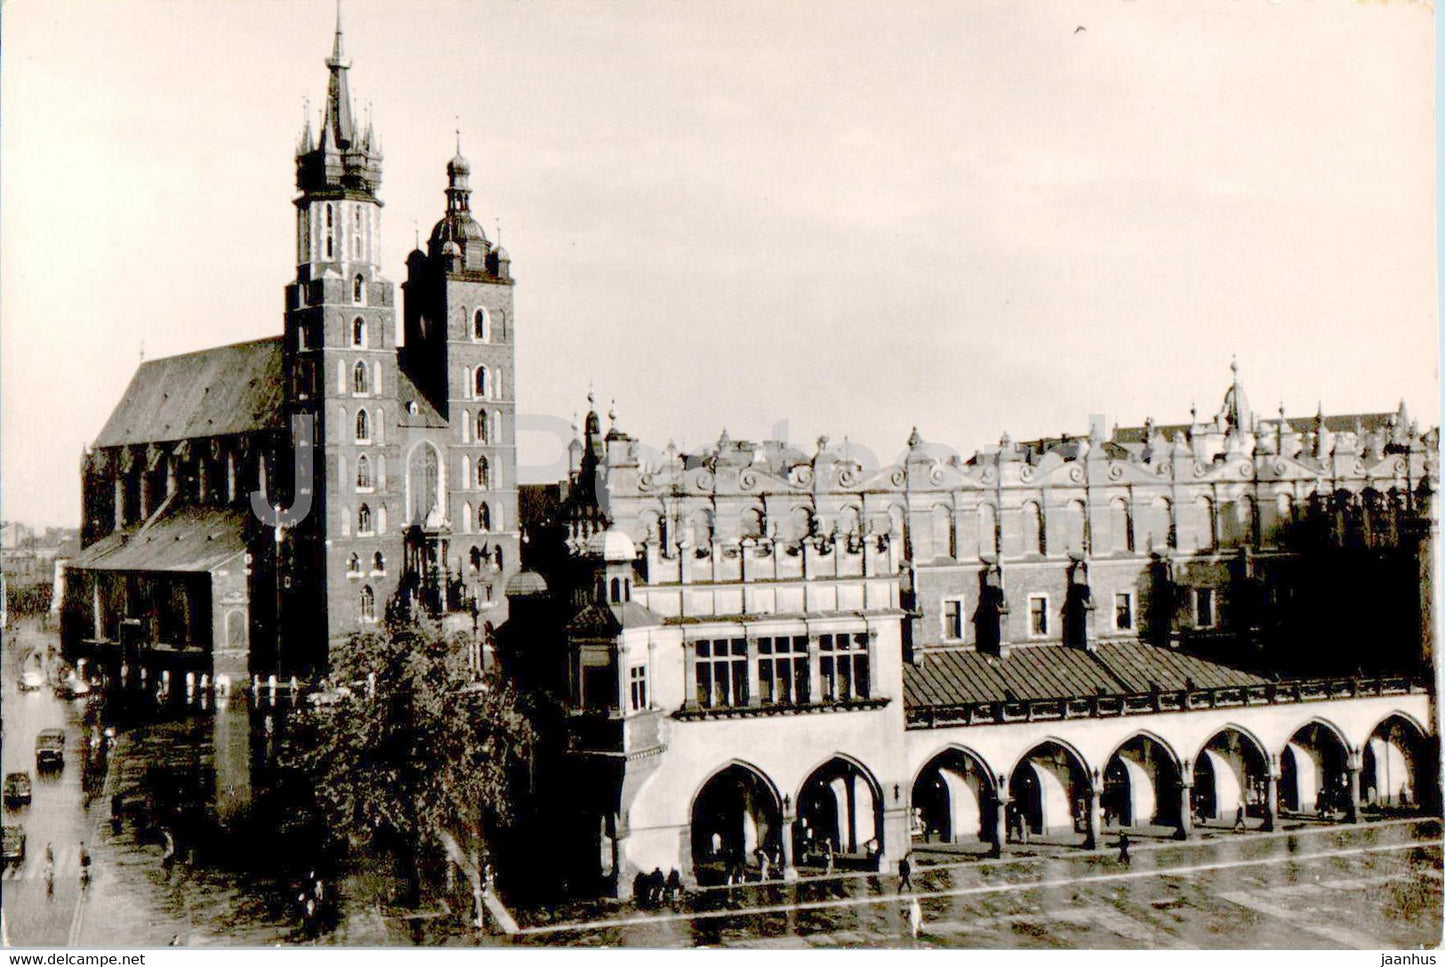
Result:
pixel 653 889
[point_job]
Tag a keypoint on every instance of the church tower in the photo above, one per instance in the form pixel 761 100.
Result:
pixel 340 353
pixel 459 351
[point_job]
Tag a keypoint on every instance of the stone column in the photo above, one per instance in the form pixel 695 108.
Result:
pixel 1186 805
pixel 1271 796
pixel 1094 838
pixel 1000 819
pixel 790 820
pixel 1352 773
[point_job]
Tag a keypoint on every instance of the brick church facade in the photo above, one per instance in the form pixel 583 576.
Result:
pixel 405 492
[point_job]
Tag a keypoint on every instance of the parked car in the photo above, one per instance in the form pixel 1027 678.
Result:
pixel 32 680
pixel 50 749
pixel 17 788
pixel 73 687
pixel 14 844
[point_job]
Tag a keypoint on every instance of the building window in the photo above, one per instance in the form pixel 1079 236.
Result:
pixel 479 325
pixel 721 669
pixel 328 231
pixel 483 473
pixel 378 563
pixel 358 332
pixel 482 434
pixel 1038 615
pixel 484 518
pixel 843 666
pixel 363 427
pixel 1204 610
pixel 368 604
pixel 358 285
pixel 1035 535
pixel 363 473
pixel 783 670
pixel 953 619
pixel 363 520
pixel 360 383
pixel 1123 611
pixel 480 383
pixel 616 597
pixel 353 564
pixel 637 678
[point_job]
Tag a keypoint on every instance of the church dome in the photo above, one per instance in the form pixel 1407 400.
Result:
pixel 613 546
pixel 458 166
pixel 526 584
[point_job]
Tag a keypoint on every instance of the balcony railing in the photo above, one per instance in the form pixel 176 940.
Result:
pixel 1149 703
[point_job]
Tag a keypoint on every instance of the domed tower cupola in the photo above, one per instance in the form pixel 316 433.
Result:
pixel 613 553
pixel 457 237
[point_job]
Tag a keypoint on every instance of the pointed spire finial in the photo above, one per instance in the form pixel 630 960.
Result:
pixel 1234 366
pixel 457 120
pixel 914 439
pixel 612 413
pixel 142 350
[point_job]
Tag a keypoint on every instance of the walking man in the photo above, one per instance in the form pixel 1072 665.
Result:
pixel 49 870
pixel 1124 848
pixel 905 875
pixel 1239 818
pixel 84 865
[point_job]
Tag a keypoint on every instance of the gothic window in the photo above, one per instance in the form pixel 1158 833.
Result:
pixel 616 596
pixel 358 331
pixel 358 284
pixel 363 473
pixel 363 520
pixel 368 604
pixel 1077 527
pixel 479 386
pixel 476 558
pixel 1206 523
pixel 328 231
pixel 497 557
pixel 353 564
pixel 363 427
pixel 1121 524
pixel 484 518
pixel 752 523
pixel 1035 536
pixel 378 563
pixel 424 483
pixel 987 530
pixel 482 433
pixel 483 473
pixel 359 381
pixel 479 325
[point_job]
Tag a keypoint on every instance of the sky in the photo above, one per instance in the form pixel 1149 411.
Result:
pixel 799 219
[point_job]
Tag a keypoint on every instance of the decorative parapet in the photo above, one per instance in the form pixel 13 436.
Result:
pixel 1149 703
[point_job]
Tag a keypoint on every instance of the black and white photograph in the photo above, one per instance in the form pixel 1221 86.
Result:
pixel 729 474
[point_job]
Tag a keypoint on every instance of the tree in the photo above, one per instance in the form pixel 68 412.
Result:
pixel 414 751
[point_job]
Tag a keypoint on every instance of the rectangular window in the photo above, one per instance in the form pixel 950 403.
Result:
pixel 1204 614
pixel 953 619
pixel 1038 615
pixel 1123 611
pixel 843 666
pixel 782 670
pixel 638 678
pixel 721 672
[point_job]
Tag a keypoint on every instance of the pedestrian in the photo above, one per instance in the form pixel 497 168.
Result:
pixel 828 854
pixel 915 917
pixel 1239 818
pixel 84 865
pixel 168 855
pixel 674 884
pixel 639 889
pixel 115 813
pixel 1124 848
pixel 905 874
pixel 49 870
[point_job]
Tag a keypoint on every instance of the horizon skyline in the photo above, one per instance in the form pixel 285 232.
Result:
pixel 788 277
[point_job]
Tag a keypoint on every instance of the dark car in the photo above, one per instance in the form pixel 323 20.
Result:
pixel 14 844
pixel 17 788
pixel 50 749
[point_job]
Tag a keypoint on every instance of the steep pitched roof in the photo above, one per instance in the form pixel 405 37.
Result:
pixel 1055 671
pixel 189 539
pixel 229 389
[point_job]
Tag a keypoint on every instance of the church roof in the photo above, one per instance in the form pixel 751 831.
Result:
pixel 229 389
pixel 188 539
pixel 411 398
pixel 1056 671
pixel 606 620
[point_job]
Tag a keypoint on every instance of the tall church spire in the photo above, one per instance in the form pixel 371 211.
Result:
pixel 339 127
pixel 343 158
